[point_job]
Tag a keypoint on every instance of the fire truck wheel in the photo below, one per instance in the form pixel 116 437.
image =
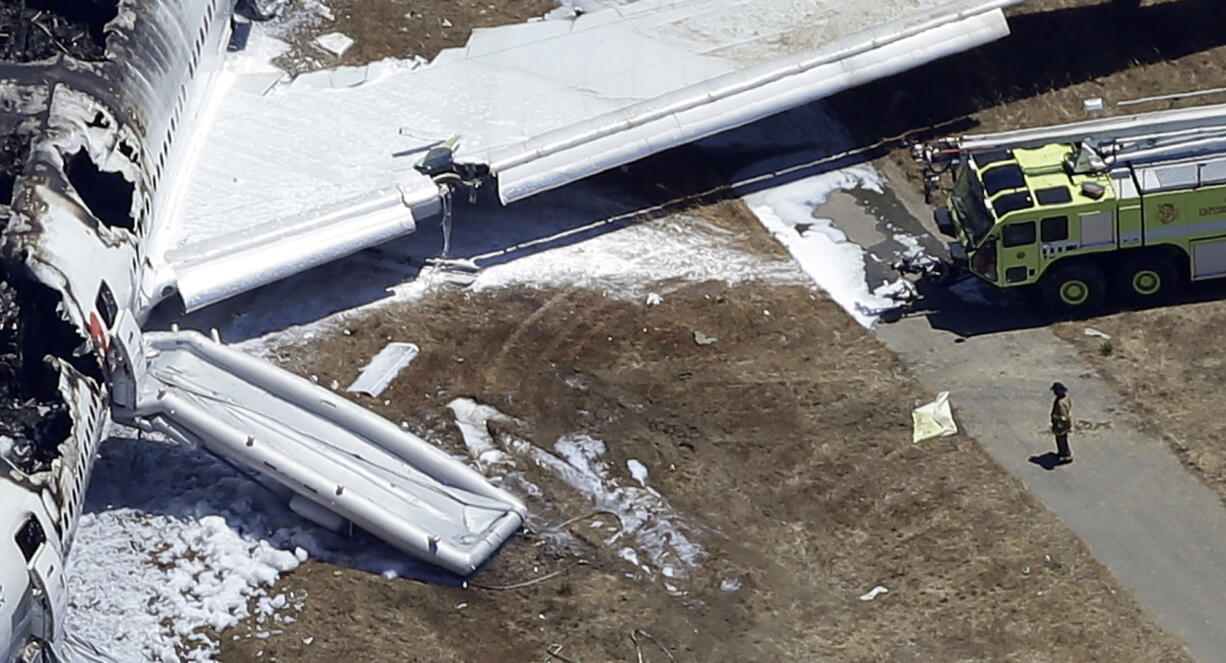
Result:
pixel 1075 288
pixel 1145 279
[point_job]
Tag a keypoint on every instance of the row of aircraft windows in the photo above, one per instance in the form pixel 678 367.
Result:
pixel 72 501
pixel 197 47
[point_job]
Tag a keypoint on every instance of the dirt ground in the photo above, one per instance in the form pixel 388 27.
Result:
pixel 790 440
pixel 401 28
pixel 785 445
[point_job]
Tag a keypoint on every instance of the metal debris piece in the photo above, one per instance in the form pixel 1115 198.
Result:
pixel 335 43
pixel 1090 331
pixel 383 368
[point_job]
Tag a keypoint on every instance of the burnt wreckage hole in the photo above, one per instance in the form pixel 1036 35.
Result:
pixel 13 150
pixel 108 195
pixel 34 418
pixel 33 30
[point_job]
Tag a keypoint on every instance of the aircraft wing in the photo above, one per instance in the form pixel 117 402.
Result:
pixel 285 177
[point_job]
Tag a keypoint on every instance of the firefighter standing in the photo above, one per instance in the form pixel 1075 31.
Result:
pixel 1062 421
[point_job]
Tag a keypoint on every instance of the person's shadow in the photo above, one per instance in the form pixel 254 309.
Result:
pixel 1049 461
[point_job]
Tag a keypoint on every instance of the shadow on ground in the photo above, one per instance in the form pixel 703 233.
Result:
pixel 1049 461
pixel 969 307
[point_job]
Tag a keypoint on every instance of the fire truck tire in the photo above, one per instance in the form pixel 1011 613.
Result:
pixel 1145 279
pixel 1075 288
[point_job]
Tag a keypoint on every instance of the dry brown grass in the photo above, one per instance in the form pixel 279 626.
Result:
pixel 1165 363
pixel 791 443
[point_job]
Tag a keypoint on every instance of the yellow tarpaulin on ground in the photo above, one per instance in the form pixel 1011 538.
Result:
pixel 933 420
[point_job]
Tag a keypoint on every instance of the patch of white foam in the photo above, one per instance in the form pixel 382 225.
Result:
pixel 656 528
pixel 823 251
pixel 142 583
pixel 653 535
pixel 190 545
pixel 632 261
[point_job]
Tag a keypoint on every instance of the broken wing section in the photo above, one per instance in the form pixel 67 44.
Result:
pixel 333 460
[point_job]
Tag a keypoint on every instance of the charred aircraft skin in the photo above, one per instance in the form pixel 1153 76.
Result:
pixel 91 132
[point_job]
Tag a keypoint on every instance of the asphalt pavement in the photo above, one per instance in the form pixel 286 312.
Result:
pixel 1154 525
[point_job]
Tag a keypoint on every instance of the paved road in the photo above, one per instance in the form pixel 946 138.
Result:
pixel 1159 530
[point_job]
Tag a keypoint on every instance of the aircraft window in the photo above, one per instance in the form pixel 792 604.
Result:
pixel 1056 195
pixel 1000 178
pixel 105 303
pixel 1012 203
pixel 1055 229
pixel 1018 234
pixel 30 537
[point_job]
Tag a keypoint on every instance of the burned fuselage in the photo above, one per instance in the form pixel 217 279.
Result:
pixel 92 97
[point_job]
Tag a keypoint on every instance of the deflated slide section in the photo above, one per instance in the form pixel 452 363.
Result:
pixel 334 460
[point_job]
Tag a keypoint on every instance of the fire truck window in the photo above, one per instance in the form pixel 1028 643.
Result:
pixel 1055 229
pixel 30 537
pixel 1018 234
pixel 1056 195
pixel 989 157
pixel 1011 202
pixel 999 178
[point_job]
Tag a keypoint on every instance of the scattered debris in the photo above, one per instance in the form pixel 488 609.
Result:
pixel 638 471
pixel 653 299
pixel 1090 331
pixel 702 339
pixel 473 419
pixel 874 593
pixel 933 420
pixel 335 43
pixel 378 374
pixel 33 31
pixel 730 585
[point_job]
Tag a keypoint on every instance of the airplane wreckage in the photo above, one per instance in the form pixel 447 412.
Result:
pixel 106 126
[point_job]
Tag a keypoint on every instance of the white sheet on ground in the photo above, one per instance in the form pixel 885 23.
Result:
pixel 933 420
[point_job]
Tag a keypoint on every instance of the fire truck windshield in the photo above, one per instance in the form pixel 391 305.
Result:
pixel 968 203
